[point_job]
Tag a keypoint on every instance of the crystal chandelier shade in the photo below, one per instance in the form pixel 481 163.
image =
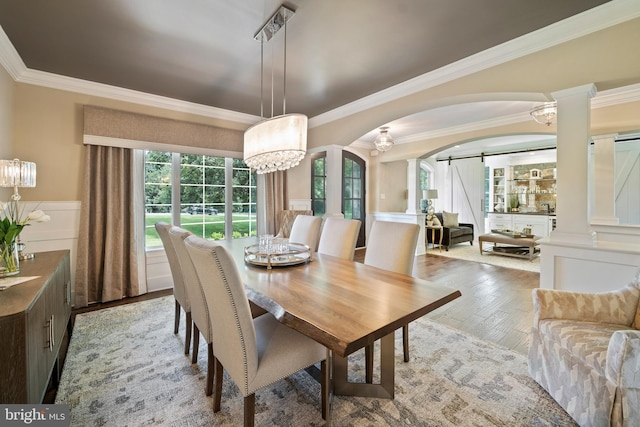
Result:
pixel 545 114
pixel 276 144
pixel 384 141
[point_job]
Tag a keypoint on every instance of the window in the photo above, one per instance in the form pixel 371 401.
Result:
pixel 319 184
pixel 206 195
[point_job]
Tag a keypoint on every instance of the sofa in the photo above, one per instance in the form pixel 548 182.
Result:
pixel 584 350
pixel 451 234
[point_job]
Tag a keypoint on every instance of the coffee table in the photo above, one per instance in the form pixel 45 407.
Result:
pixel 510 245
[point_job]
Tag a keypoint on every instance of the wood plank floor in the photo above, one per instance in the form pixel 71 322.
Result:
pixel 495 305
pixel 496 302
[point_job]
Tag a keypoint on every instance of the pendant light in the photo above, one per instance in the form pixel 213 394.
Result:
pixel 278 143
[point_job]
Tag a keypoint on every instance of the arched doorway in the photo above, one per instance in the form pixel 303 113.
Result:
pixel 353 191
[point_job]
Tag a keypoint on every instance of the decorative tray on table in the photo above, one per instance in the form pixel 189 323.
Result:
pixel 293 254
pixel 514 234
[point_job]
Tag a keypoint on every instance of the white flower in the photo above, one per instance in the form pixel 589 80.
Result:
pixel 37 216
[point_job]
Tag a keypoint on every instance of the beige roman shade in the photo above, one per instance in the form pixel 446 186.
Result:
pixel 104 126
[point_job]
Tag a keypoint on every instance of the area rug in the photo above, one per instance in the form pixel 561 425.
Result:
pixel 125 367
pixel 472 253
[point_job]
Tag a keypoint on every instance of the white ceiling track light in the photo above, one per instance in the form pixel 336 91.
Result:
pixel 384 141
pixel 545 114
pixel 278 143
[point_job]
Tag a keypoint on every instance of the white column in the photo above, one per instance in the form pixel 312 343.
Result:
pixel 604 180
pixel 414 192
pixel 573 133
pixel 334 181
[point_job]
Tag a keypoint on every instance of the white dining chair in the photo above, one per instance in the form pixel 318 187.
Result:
pixel 180 293
pixel 391 246
pixel 255 352
pixel 339 237
pixel 306 230
pixel 199 307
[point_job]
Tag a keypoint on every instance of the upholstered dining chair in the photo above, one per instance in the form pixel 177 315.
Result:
pixel 255 352
pixel 287 216
pixel 391 246
pixel 306 230
pixel 180 293
pixel 339 237
pixel 199 308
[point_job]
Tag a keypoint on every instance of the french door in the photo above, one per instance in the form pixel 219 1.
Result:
pixel 353 191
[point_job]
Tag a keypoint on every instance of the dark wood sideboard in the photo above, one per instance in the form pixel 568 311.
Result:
pixel 34 317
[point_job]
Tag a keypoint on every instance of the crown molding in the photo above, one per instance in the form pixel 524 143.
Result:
pixel 590 21
pixel 9 57
pixel 11 61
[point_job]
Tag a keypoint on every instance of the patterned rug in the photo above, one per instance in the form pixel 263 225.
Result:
pixel 125 367
pixel 472 253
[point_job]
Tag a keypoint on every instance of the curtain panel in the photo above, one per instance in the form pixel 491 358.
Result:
pixel 107 267
pixel 276 200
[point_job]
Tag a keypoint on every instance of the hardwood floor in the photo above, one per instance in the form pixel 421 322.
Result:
pixel 495 305
pixel 496 302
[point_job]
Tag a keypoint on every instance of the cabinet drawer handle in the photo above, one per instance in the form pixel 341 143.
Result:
pixel 52 339
pixel 48 325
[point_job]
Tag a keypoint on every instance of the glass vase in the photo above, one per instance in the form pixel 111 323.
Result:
pixel 9 260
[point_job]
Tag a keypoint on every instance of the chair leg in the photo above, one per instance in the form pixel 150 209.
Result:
pixel 177 317
pixel 218 374
pixel 405 342
pixel 187 337
pixel 323 388
pixel 210 370
pixel 196 344
pixel 249 410
pixel 368 363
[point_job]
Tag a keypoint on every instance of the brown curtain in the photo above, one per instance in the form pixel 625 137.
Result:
pixel 107 264
pixel 276 199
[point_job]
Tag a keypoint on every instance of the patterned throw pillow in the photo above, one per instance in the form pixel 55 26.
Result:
pixel 450 219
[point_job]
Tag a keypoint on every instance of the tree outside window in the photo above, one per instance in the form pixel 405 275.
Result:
pixel 201 204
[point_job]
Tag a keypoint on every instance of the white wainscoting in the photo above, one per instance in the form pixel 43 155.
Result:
pixel 58 234
pixel 300 204
pixel 158 271
pixel 603 267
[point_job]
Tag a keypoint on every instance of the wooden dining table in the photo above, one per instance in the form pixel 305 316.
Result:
pixel 344 305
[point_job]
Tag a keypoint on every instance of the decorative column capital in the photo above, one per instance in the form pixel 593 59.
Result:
pixel 589 89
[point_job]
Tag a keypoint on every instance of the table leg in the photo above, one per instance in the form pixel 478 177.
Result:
pixel 327 390
pixel 385 389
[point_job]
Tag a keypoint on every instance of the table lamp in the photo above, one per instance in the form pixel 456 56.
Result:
pixel 431 196
pixel 18 174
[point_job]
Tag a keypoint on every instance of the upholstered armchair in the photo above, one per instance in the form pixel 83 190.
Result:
pixel 585 351
pixel 286 219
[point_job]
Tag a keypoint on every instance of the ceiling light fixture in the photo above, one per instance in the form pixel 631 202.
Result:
pixel 384 141
pixel 545 114
pixel 278 143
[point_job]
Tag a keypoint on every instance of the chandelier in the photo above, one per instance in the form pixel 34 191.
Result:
pixel 545 114
pixel 384 141
pixel 278 143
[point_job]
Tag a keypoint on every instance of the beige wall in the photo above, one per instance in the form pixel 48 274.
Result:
pixel 6 116
pixel 48 130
